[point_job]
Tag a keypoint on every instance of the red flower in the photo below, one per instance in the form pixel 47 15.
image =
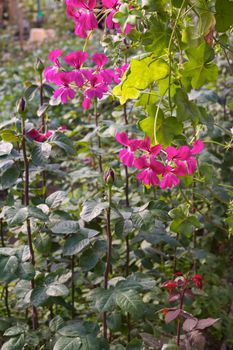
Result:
pixel 170 285
pixel 197 280
pixel 177 274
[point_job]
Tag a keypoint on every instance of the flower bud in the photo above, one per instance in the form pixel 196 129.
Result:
pixel 109 177
pixel 39 66
pixel 21 106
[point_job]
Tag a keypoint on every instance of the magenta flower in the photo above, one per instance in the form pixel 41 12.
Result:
pixel 76 59
pixel 198 147
pixel 84 22
pixel 110 3
pixel 149 176
pixel 37 136
pixel 51 71
pixel 146 146
pixel 97 87
pixel 86 103
pixel 126 155
pixel 63 80
pixel 169 179
pixel 182 153
pixel 82 4
pixel 100 60
pixel 119 72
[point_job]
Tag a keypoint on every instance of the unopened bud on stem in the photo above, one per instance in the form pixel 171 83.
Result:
pixel 21 106
pixel 109 177
pixel 39 66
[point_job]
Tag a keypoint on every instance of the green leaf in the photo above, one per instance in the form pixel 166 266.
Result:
pixel 186 110
pixel 66 227
pixel 15 330
pixel 42 109
pixel 91 210
pixel 224 18
pixel 104 300
pixel 65 343
pixel 26 271
pixel 139 76
pixel 156 39
pixel 63 142
pixel 9 136
pixel 57 289
pixel 14 343
pixel 29 93
pixel 88 259
pixel 9 174
pixel 130 301
pixel 5 148
pixel 199 68
pixel 56 199
pixel 41 152
pixel 8 268
pixel 166 128
pixel 39 296
pixel 75 244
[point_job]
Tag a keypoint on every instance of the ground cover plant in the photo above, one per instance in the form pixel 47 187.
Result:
pixel 116 207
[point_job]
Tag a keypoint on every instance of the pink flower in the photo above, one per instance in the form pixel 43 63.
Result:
pixel 146 146
pixel 51 71
pixel 119 72
pixel 76 59
pixel 110 3
pixel 63 80
pixel 151 169
pixel 198 147
pixel 127 155
pixel 37 136
pixel 84 22
pixel 169 179
pixel 86 103
pixel 182 153
pixel 108 75
pixel 82 4
pixel 97 87
pixel 99 59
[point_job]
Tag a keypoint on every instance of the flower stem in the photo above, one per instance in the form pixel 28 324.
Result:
pixel 44 129
pixel 98 137
pixel 179 324
pixel 26 203
pixel 72 286
pixel 109 255
pixel 8 312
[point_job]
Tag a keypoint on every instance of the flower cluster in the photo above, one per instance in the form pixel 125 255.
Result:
pixel 83 14
pixel 158 166
pixel 180 282
pixel 93 83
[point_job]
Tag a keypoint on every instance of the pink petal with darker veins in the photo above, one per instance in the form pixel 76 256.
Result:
pixel 192 165
pixel 99 59
pixel 122 138
pixel 198 146
pixel 169 180
pixel 148 177
pixel 86 103
pixel 127 157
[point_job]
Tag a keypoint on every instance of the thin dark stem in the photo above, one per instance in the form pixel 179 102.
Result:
pixel 179 324
pixel 26 203
pixel 6 297
pixel 43 129
pixel 72 286
pixel 98 138
pixel 109 256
